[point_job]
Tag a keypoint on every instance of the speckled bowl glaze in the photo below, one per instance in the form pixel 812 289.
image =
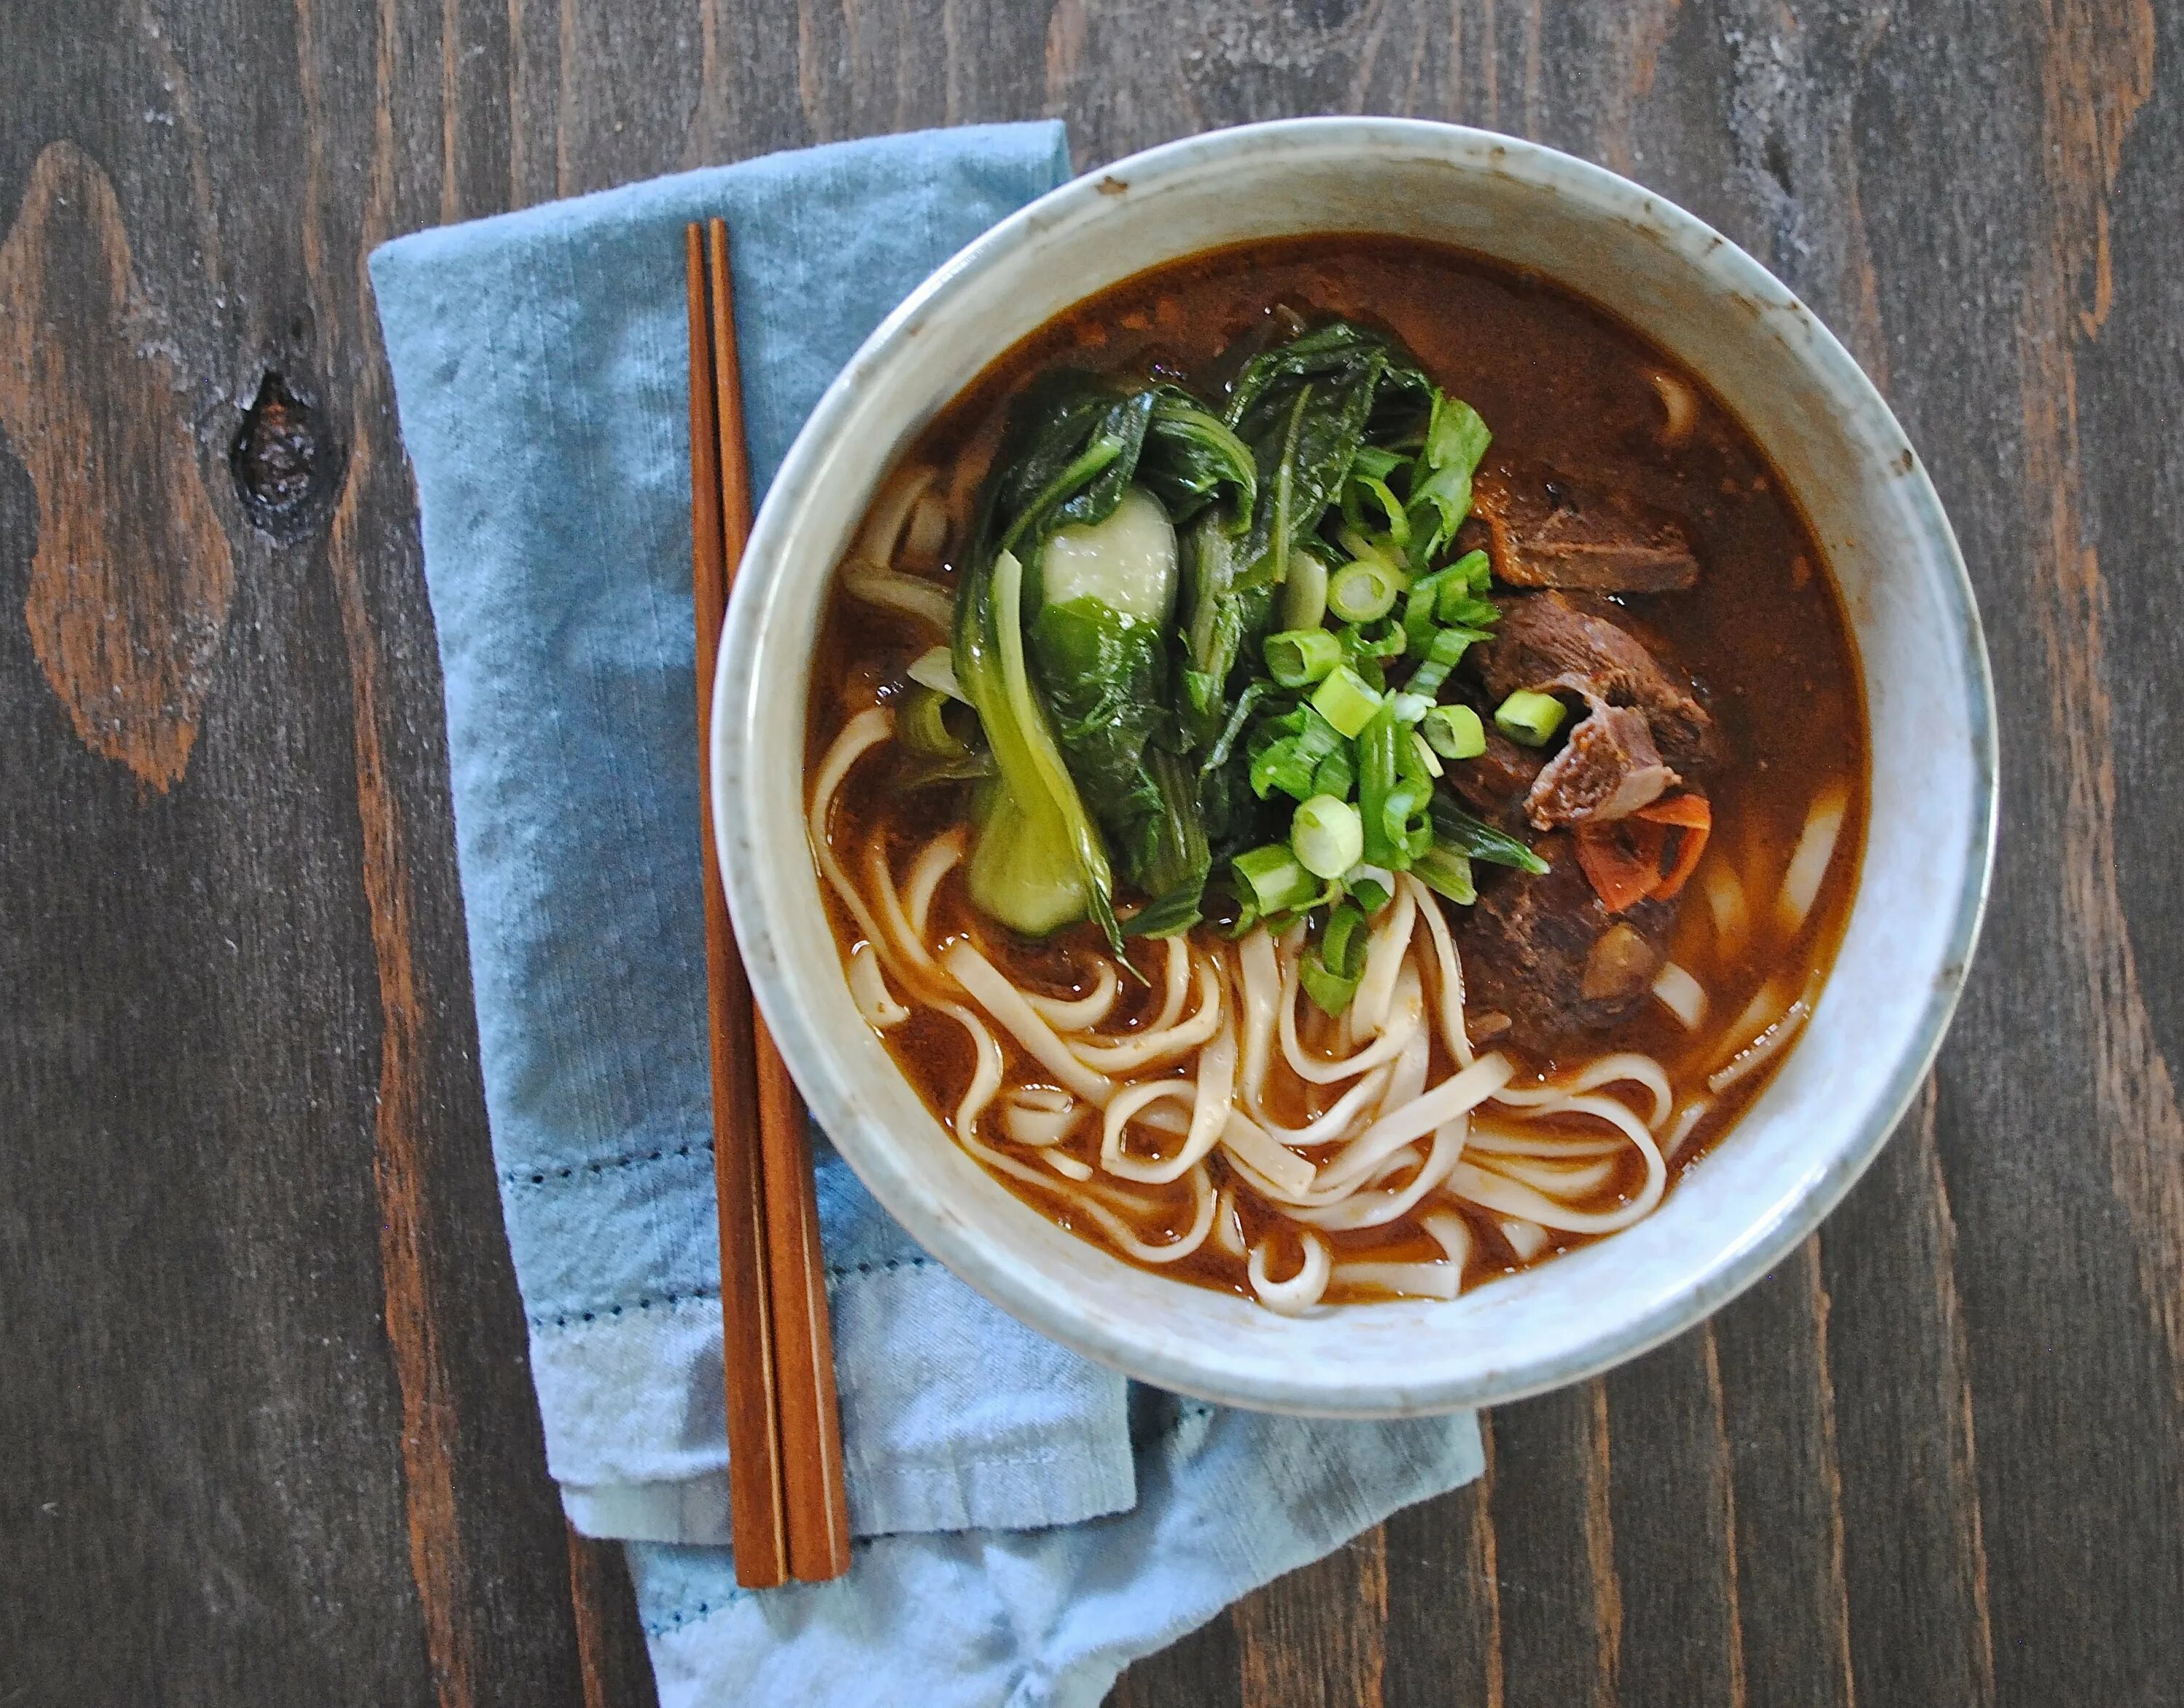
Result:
pixel 1919 902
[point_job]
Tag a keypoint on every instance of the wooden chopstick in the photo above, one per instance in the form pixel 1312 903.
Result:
pixel 758 1523
pixel 813 1485
pixel 802 1519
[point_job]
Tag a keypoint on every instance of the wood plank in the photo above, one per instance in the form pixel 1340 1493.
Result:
pixel 127 602
pixel 271 950
pixel 2111 692
pixel 1559 1593
pixel 1203 1668
pixel 1312 1637
pixel 265 1367
pixel 1915 1550
pixel 1444 1630
pixel 611 1664
pixel 1675 1537
pixel 1778 1425
pixel 2051 1130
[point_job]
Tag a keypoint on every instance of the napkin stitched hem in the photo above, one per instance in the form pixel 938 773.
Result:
pixel 987 1419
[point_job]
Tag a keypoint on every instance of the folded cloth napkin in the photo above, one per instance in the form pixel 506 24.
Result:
pixel 1028 1522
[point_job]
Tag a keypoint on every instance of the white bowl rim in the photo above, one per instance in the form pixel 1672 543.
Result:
pixel 1718 262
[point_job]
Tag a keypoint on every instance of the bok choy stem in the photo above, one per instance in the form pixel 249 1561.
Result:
pixel 1040 863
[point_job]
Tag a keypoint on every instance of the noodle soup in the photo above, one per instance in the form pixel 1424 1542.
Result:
pixel 1338 773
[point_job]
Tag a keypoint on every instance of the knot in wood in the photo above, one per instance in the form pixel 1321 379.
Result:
pixel 282 459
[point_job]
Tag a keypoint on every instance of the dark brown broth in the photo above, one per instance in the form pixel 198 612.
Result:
pixel 1558 380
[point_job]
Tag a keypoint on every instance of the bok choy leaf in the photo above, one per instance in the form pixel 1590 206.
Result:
pixel 1040 863
pixel 1440 498
pixel 1192 456
pixel 1099 649
pixel 1304 408
pixel 1081 501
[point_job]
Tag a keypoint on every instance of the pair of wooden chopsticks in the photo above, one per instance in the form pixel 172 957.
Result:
pixel 788 1514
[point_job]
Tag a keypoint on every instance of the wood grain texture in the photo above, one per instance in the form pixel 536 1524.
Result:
pixel 1313 1640
pixel 130 582
pixel 720 524
pixel 265 1403
pixel 611 1662
pixel 1443 1638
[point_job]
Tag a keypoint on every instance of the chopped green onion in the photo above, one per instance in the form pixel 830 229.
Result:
pixel 1455 732
pixel 1359 544
pixel 1425 755
pixel 1294 745
pixel 1481 840
pixel 1337 774
pixel 1273 880
pixel 1410 707
pixel 1304 594
pixel 1361 487
pixel 1284 765
pixel 1456 439
pixel 1327 835
pixel 1361 591
pixel 1364 645
pixel 1382 639
pixel 1421 609
pixel 1529 717
pixel 1343 943
pixel 1331 992
pixel 1297 657
pixel 1377 780
pixel 1347 700
pixel 1475 570
pixel 1333 968
pixel 1446 871
pixel 1455 434
pixel 921 721
pixel 1406 821
pixel 1467 609
pixel 1370 894
pixel 1444 652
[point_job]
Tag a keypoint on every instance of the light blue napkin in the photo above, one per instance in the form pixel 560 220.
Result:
pixel 1038 1523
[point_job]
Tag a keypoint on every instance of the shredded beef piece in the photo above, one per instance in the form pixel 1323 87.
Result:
pixel 1544 639
pixel 1608 769
pixel 1544 950
pixel 1495 783
pixel 1545 529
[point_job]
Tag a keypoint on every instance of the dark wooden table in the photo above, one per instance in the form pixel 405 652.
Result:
pixel 266 1433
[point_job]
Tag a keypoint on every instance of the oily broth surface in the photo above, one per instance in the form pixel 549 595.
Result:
pixel 1764 635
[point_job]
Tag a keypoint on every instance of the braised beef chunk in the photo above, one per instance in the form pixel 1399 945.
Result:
pixel 1497 782
pixel 1545 952
pixel 1608 769
pixel 1545 529
pixel 1546 639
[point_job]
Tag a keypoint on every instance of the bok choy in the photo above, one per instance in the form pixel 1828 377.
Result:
pixel 1040 863
pixel 1304 408
pixel 1077 533
pixel 1197 637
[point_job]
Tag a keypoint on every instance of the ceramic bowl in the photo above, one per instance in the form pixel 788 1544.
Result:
pixel 1911 925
